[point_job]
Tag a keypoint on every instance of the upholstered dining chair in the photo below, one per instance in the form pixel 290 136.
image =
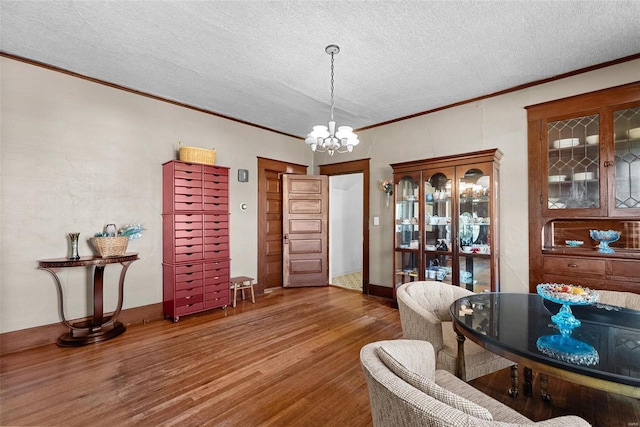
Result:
pixel 424 315
pixel 406 390
pixel 621 299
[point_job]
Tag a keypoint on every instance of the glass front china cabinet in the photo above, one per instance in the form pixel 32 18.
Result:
pixel 584 175
pixel 446 212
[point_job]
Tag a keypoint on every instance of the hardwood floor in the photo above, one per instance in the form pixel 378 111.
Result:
pixel 291 359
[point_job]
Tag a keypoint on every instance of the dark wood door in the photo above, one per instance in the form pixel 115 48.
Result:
pixel 270 220
pixel 273 231
pixel 305 223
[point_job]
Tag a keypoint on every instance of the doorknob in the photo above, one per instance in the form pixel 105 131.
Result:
pixel 286 239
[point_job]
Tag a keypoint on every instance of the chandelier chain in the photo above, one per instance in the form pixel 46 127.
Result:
pixel 328 138
pixel 332 86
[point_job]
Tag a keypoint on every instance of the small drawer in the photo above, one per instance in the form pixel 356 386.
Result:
pixel 189 284
pixel 189 241
pixel 213 277
pixel 186 277
pixel 216 231
pixel 574 266
pixel 212 176
pixel 216 192
pixel 188 191
pixel 189 269
pixel 189 308
pixel 215 254
pixel 210 187
pixel 190 218
pixel 192 299
pixel 218 200
pixel 216 247
pixel 187 198
pixel 187 167
pixel 188 249
pixel 189 257
pixel 187 182
pixel 183 234
pixel 187 206
pixel 220 207
pixel 215 301
pixel 186 294
pixel 217 218
pixel 222 286
pixel 216 265
pixel 213 240
pixel 628 271
pixel 195 225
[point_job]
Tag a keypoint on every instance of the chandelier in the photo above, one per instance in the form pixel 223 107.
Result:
pixel 323 138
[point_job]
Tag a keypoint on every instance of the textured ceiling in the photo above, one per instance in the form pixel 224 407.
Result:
pixel 263 62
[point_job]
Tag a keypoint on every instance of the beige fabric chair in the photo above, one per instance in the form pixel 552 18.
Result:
pixel 621 299
pixel 405 389
pixel 424 314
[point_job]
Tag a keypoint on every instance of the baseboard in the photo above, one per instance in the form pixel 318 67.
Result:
pixel 380 291
pixel 48 334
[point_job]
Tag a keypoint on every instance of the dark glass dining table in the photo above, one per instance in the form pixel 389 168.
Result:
pixel 603 352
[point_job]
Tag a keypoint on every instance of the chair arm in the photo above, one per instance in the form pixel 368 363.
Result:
pixel 420 324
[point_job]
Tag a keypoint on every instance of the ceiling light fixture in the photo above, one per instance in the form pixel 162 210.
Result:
pixel 323 139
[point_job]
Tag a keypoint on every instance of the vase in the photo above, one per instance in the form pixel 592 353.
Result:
pixel 387 199
pixel 73 237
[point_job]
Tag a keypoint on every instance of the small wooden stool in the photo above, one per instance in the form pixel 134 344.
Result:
pixel 242 283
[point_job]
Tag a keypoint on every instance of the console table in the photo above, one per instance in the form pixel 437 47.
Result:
pixel 98 327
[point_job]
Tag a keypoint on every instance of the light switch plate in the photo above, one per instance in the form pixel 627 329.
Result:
pixel 243 175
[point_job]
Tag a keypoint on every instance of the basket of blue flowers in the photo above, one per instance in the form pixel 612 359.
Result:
pixel 113 242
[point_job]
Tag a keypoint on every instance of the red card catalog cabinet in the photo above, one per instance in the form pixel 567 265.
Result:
pixel 195 238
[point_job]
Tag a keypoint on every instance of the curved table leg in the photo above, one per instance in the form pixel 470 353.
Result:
pixel 96 328
pixel 60 297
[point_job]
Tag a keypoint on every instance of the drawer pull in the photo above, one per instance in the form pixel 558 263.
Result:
pixel 572 265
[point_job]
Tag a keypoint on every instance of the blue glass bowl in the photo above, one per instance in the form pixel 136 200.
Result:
pixel 605 237
pixel 551 292
pixel 563 294
pixel 574 242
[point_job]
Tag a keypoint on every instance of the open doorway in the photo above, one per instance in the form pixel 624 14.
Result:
pixel 345 231
pixel 360 167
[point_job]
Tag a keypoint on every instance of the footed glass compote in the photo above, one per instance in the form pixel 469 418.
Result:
pixel 567 295
pixel 605 237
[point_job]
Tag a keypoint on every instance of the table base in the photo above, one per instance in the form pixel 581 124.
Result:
pixel 90 337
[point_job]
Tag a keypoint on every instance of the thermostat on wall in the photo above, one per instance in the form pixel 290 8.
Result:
pixel 243 175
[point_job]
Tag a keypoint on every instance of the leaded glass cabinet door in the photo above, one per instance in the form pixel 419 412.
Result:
pixel 474 227
pixel 573 166
pixel 407 263
pixel 626 155
pixel 438 231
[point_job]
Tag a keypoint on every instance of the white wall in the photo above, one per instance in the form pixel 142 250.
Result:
pixel 345 224
pixel 76 155
pixel 498 122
